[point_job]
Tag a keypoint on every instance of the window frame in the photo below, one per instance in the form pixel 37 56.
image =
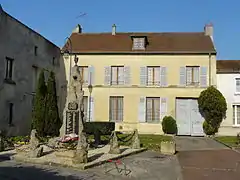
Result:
pixel 235 120
pixel 138 43
pixel 192 76
pixel 153 110
pixel 82 72
pixel 117 75
pixel 9 72
pixel 118 110
pixel 154 82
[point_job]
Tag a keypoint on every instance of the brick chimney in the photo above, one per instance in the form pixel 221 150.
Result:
pixel 77 29
pixel 114 27
pixel 208 30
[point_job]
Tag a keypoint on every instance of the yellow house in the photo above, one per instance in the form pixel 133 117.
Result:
pixel 138 78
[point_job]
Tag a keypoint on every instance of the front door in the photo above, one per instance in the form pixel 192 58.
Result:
pixel 196 119
pixel 183 117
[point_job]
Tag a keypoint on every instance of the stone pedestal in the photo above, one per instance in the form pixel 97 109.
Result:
pixel 168 147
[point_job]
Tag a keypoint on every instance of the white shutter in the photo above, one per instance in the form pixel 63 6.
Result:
pixel 203 76
pixel 127 75
pixel 143 76
pixel 142 110
pixel 163 108
pixel 182 76
pixel 90 75
pixel 163 76
pixel 107 78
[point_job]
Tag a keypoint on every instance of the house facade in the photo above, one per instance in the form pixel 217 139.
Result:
pixel 23 53
pixel 228 83
pixel 138 78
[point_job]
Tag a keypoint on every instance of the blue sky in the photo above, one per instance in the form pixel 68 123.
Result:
pixel 55 19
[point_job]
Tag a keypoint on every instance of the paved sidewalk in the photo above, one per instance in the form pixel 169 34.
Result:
pixel 184 143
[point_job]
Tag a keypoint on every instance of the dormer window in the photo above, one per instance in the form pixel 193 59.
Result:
pixel 138 43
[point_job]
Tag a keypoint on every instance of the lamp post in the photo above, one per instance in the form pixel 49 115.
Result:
pixel 68 51
pixel 90 88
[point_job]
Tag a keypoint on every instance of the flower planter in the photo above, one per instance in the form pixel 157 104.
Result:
pixel 168 147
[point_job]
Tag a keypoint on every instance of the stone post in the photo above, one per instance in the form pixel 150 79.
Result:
pixel 114 146
pixel 135 140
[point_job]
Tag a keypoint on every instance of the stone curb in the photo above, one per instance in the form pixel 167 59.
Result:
pixel 77 166
pixel 224 144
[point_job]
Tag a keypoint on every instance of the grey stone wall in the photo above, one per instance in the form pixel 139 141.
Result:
pixel 18 42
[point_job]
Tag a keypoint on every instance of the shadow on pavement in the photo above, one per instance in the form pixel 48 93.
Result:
pixel 32 172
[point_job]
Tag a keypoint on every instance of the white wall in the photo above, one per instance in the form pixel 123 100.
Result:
pixel 226 84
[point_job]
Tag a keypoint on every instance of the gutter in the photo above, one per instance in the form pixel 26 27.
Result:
pixel 210 69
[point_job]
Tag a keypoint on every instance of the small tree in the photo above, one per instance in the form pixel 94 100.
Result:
pixel 53 122
pixel 212 106
pixel 169 125
pixel 39 105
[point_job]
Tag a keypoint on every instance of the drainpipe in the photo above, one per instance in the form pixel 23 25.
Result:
pixel 210 69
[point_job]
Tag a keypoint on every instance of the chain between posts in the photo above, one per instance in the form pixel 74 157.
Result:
pixel 123 139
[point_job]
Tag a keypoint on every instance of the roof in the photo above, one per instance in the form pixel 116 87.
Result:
pixel 170 42
pixel 228 66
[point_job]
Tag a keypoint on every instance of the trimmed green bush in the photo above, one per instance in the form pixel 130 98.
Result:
pixel 38 115
pixel 105 128
pixel 52 119
pixel 208 129
pixel 169 125
pixel 212 106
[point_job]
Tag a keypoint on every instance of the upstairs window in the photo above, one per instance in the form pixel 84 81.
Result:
pixel 117 75
pixel 35 50
pixel 138 43
pixel 153 75
pixel 84 74
pixel 193 75
pixel 9 68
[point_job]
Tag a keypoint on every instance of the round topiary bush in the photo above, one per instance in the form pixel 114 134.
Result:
pixel 169 125
pixel 212 106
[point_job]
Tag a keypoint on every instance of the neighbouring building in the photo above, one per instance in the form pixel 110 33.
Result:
pixel 138 78
pixel 23 53
pixel 228 83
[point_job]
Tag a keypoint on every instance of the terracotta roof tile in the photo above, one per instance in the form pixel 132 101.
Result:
pixel 157 43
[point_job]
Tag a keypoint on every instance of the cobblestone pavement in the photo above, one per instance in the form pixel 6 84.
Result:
pixel 147 165
pixel 222 164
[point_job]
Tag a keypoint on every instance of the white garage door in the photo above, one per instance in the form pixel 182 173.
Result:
pixel 189 120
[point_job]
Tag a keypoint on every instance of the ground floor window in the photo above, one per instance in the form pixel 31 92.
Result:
pixel 236 114
pixel 116 108
pixel 152 109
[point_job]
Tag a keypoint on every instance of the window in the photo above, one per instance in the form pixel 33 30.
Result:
pixel 236 115
pixel 84 73
pixel 153 75
pixel 117 75
pixel 53 61
pixel 10 118
pixel 34 78
pixel 9 68
pixel 116 108
pixel 85 108
pixel 237 82
pixel 192 73
pixel 139 43
pixel 35 50
pixel 152 109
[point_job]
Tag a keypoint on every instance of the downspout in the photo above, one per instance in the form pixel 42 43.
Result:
pixel 210 69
